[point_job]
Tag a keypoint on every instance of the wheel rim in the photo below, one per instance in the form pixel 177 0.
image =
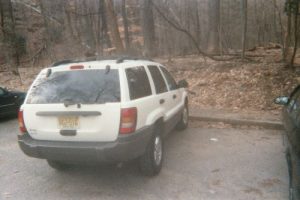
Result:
pixel 185 116
pixel 157 150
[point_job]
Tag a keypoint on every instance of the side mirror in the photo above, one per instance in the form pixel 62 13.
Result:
pixel 281 100
pixel 183 84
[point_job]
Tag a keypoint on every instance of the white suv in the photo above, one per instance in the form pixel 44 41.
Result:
pixel 102 111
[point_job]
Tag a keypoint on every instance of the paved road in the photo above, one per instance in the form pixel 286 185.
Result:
pixel 235 164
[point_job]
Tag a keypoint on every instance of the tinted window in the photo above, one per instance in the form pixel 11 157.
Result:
pixel 170 80
pixel 291 104
pixel 138 82
pixel 87 87
pixel 295 111
pixel 1 91
pixel 159 82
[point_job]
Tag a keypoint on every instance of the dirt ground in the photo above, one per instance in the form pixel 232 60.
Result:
pixel 231 85
pixel 236 85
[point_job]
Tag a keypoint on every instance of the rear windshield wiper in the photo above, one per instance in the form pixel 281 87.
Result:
pixel 99 94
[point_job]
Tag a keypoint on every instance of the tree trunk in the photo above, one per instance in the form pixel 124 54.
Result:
pixel 113 26
pixel 287 52
pixel 125 24
pixel 244 23
pixel 148 27
pixel 104 29
pixel 88 31
pixel 9 34
pixel 68 20
pixel 48 34
pixel 281 31
pixel 214 21
pixel 296 27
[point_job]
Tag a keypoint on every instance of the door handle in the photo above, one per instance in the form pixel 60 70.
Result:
pixel 174 96
pixel 162 101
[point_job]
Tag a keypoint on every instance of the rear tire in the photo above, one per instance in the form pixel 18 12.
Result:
pixel 184 120
pixel 151 161
pixel 60 166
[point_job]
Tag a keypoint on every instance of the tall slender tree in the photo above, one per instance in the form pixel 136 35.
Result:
pixel 113 26
pixel 214 21
pixel 126 25
pixel 244 11
pixel 148 27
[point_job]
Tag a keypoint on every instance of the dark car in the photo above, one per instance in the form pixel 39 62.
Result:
pixel 10 102
pixel 291 122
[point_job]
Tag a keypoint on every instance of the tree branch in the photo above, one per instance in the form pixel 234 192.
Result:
pixel 187 33
pixel 36 10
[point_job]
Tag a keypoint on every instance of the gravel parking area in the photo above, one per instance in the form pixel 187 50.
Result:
pixel 200 164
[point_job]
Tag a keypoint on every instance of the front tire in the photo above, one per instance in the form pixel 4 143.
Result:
pixel 184 120
pixel 151 161
pixel 60 166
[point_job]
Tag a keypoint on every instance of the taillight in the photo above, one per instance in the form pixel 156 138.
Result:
pixel 74 67
pixel 21 122
pixel 128 120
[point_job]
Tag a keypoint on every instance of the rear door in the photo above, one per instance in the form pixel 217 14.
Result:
pixel 140 94
pixel 163 96
pixel 79 105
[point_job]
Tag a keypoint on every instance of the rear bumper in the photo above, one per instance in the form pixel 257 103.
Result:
pixel 123 149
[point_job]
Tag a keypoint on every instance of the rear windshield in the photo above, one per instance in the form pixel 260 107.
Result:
pixel 84 86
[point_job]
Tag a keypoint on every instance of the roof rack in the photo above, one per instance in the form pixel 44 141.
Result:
pixel 122 59
pixel 95 58
pixel 61 63
pixel 74 61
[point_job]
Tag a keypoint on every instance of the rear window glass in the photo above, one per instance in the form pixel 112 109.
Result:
pixel 138 83
pixel 83 86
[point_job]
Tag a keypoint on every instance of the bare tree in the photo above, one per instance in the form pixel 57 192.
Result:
pixel 148 27
pixel 244 11
pixel 113 26
pixel 104 29
pixel 9 34
pixel 214 21
pixel 288 32
pixel 296 31
pixel 126 25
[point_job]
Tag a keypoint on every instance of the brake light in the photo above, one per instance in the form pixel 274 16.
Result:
pixel 76 67
pixel 21 122
pixel 128 120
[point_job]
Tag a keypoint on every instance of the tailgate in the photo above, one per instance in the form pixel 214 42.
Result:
pixel 97 122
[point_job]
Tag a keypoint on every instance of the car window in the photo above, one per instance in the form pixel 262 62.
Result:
pixel 291 104
pixel 138 83
pixel 170 80
pixel 82 86
pixel 1 92
pixel 159 82
pixel 295 108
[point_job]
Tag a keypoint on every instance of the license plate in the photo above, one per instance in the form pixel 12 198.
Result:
pixel 68 122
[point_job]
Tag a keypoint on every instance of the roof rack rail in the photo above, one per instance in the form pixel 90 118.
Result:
pixel 74 61
pixel 122 59
pixel 95 58
pixel 61 63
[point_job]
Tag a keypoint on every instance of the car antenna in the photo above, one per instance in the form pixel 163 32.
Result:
pixel 107 70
